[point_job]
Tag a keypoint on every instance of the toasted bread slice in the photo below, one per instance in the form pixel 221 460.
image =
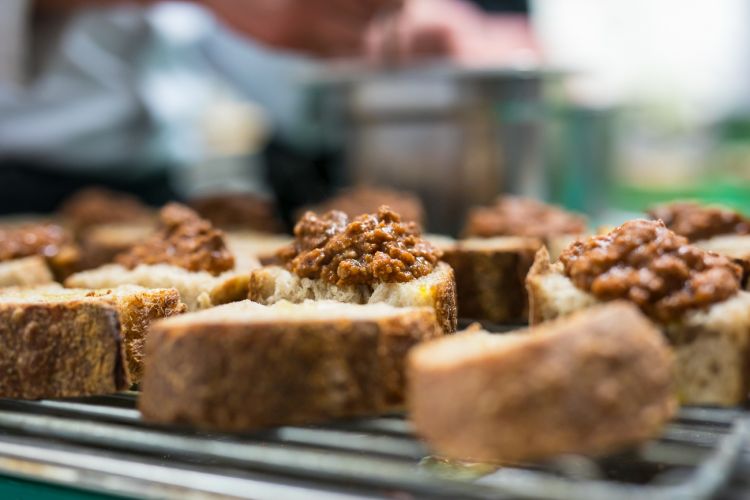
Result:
pixel 198 290
pixel 28 271
pixel 244 366
pixel 136 308
pixel 272 284
pixel 490 274
pixel 712 346
pixel 590 384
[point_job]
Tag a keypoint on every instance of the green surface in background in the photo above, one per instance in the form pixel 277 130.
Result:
pixel 732 194
pixel 19 489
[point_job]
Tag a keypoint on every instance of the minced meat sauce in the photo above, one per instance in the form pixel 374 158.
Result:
pixel 699 222
pixel 184 240
pixel 648 264
pixel 516 216
pixel 24 241
pixel 369 249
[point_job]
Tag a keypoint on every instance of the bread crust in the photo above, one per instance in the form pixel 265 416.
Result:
pixel 592 383
pixel 136 312
pixel 60 350
pixel 539 308
pixel 446 302
pixel 490 281
pixel 238 377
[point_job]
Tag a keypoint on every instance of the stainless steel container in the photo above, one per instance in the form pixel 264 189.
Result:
pixel 455 137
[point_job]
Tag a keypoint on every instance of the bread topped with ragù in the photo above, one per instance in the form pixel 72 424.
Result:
pixel 694 296
pixel 368 259
pixel 187 253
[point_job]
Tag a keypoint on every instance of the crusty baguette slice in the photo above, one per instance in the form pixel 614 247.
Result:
pixel 592 383
pixel 136 308
pixel 198 290
pixel 272 284
pixel 490 274
pixel 28 271
pixel 244 366
pixel 712 346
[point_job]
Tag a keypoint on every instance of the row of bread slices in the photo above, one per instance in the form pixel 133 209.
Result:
pixel 599 380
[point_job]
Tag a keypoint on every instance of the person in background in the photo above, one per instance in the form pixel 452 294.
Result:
pixel 123 93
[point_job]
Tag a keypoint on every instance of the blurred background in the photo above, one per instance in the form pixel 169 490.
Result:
pixel 603 106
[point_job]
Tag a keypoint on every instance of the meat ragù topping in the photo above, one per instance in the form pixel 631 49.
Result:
pixel 516 216
pixel 369 249
pixel 184 240
pixel 700 222
pixel 47 240
pixel 646 263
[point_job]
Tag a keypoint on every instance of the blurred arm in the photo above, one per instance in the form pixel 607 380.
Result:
pixel 318 27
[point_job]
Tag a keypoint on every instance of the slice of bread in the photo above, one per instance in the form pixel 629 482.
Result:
pixel 490 274
pixel 245 366
pixel 136 308
pixel 593 383
pixel 712 346
pixel 198 290
pixel 28 271
pixel 437 290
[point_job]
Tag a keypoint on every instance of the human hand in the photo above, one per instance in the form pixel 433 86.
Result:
pixel 455 30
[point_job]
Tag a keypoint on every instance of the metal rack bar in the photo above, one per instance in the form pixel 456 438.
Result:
pixel 102 443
